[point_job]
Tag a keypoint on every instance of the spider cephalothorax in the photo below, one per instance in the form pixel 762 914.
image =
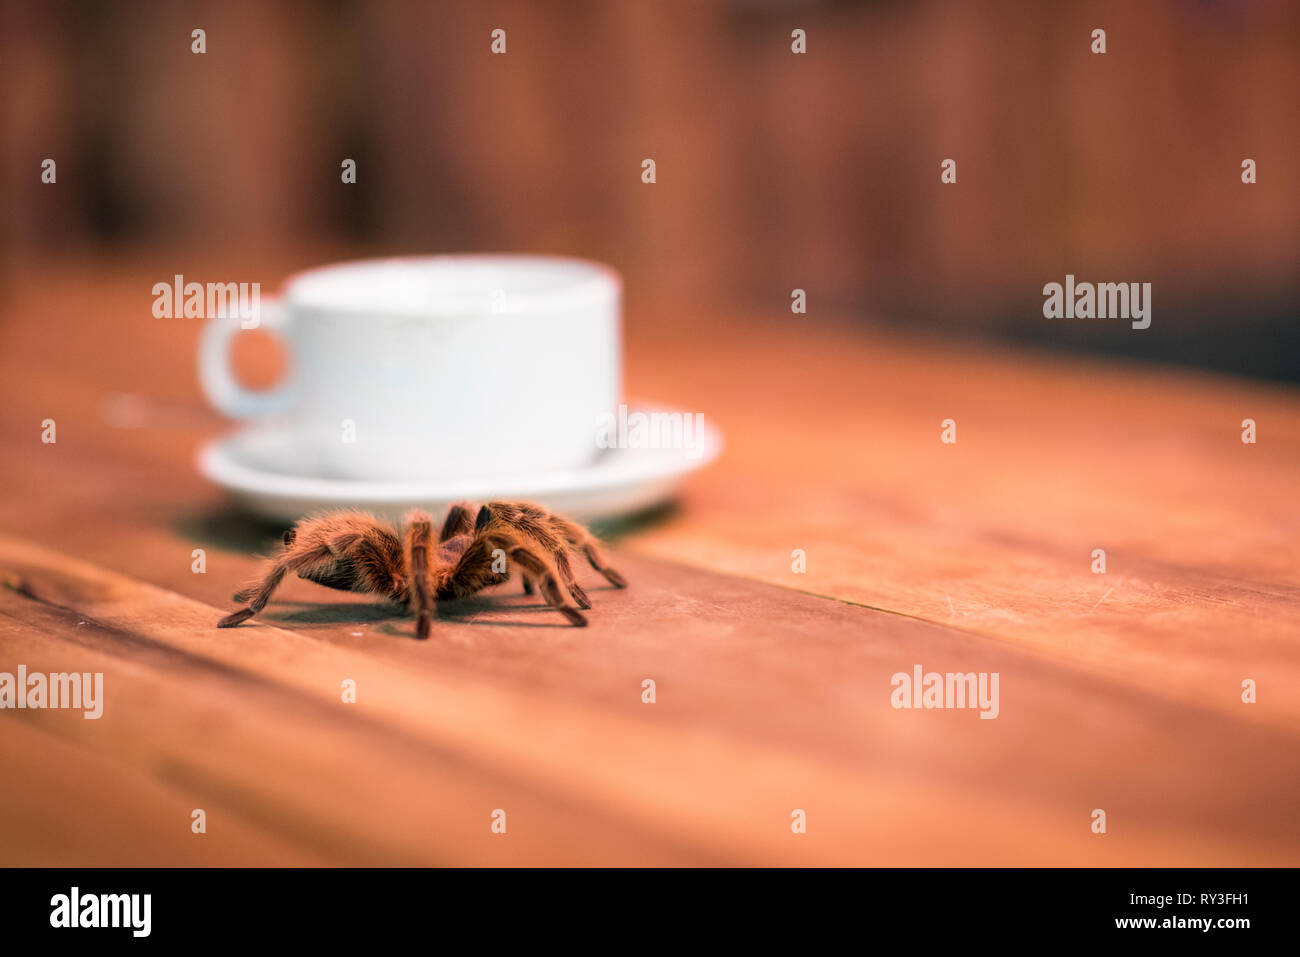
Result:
pixel 476 548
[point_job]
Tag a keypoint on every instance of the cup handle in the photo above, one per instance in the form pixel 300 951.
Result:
pixel 219 383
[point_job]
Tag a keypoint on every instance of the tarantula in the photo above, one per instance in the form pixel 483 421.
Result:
pixel 352 551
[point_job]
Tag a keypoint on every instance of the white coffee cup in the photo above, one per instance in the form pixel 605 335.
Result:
pixel 438 366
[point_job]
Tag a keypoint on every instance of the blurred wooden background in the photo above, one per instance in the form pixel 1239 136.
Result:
pixel 775 171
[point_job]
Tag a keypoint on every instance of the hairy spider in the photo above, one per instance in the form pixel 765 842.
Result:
pixel 352 551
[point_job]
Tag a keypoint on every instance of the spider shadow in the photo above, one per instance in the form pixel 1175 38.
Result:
pixel 339 613
pixel 465 611
pixel 396 621
pixel 228 527
pixel 613 529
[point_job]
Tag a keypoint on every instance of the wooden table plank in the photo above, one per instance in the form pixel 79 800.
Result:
pixel 749 725
pixel 834 448
pixel 69 806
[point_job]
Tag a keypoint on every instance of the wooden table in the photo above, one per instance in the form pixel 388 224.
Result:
pixel 1120 691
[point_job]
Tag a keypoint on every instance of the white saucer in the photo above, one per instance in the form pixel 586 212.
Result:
pixel 269 471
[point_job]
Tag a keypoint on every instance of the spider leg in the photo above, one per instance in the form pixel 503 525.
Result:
pixel 459 521
pixel 531 522
pixel 565 568
pixel 473 572
pixel 534 565
pixel 259 594
pixel 246 593
pixel 528 583
pixel 418 535
pixel 583 540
